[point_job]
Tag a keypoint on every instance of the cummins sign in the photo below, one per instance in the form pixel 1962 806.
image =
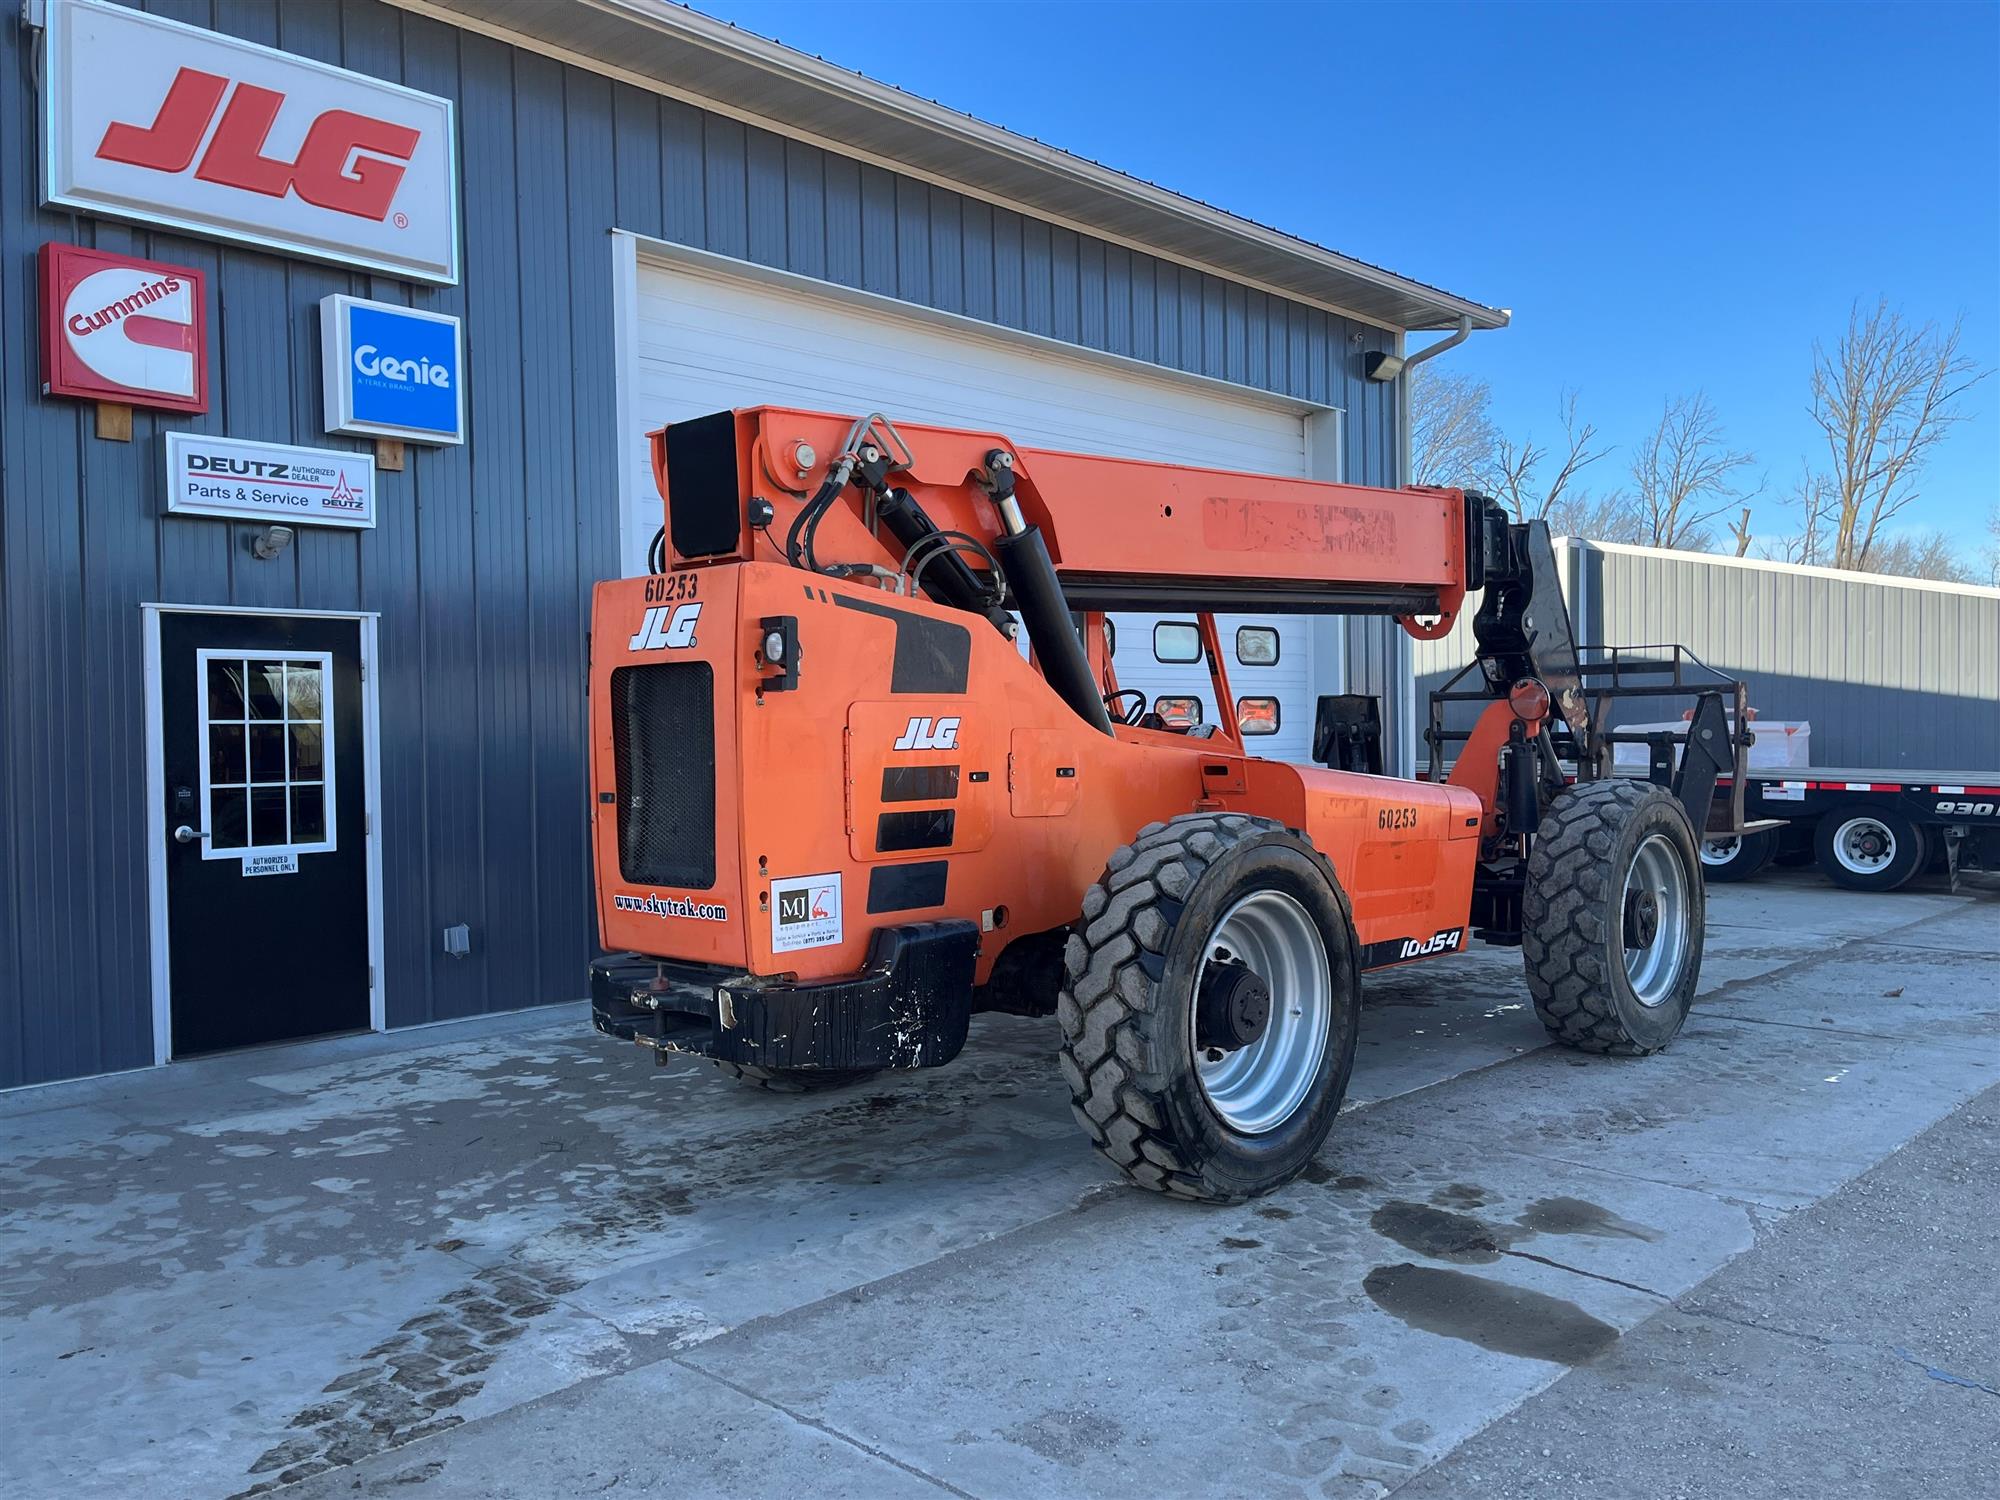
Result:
pixel 166 123
pixel 119 329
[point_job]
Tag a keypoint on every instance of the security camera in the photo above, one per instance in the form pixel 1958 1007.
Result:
pixel 271 541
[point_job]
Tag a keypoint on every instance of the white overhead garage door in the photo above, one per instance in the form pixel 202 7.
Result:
pixel 699 338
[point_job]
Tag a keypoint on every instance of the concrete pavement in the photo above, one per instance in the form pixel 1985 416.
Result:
pixel 509 1257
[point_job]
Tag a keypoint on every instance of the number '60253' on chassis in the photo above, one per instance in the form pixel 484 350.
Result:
pixel 838 810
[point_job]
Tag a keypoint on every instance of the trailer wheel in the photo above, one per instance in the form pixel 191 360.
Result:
pixel 1612 918
pixel 1869 848
pixel 792 1080
pixel 1209 1007
pixel 1727 859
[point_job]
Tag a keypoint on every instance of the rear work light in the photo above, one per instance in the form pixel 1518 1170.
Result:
pixel 1257 715
pixel 1179 713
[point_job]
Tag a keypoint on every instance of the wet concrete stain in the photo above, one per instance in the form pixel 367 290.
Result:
pixel 1469 1240
pixel 1491 1314
pixel 1230 1242
pixel 1441 1234
pixel 1461 1195
pixel 1574 1216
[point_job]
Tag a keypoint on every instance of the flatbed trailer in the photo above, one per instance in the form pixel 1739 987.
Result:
pixel 1868 828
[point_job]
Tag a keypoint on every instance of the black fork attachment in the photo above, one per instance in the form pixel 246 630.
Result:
pixel 1523 632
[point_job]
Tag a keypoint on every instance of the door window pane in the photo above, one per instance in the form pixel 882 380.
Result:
pixel 225 753
pixel 1256 645
pixel 225 690
pixel 267 684
pixel 267 752
pixel 305 751
pixel 302 693
pixel 1176 642
pixel 267 815
pixel 228 818
pixel 308 814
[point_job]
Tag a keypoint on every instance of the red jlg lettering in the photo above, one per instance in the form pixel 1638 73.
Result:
pixel 235 155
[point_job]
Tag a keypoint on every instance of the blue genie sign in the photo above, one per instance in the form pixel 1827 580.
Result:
pixel 392 371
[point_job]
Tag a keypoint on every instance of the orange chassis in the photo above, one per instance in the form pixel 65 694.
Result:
pixel 837 808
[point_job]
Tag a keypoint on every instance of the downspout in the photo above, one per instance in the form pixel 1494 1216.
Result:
pixel 1403 665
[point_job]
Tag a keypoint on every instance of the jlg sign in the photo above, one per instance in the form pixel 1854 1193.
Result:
pixel 153 120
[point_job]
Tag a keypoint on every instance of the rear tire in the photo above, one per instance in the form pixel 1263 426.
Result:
pixel 1726 860
pixel 1612 918
pixel 1176 918
pixel 792 1080
pixel 1866 848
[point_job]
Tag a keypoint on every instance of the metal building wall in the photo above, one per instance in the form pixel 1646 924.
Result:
pixel 483 556
pixel 1889 673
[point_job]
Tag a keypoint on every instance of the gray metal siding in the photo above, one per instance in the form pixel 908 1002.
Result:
pixel 1888 675
pixel 482 557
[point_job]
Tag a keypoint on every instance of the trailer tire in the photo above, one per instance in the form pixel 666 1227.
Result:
pixel 1613 858
pixel 1868 848
pixel 1726 860
pixel 792 1080
pixel 1166 934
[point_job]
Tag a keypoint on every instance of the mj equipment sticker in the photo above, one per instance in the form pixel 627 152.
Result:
pixel 805 912
pixel 212 476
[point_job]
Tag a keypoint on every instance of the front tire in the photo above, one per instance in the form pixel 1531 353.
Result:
pixel 1866 848
pixel 1612 918
pixel 1171 1073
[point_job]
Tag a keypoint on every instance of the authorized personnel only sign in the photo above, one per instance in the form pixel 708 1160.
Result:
pixel 211 476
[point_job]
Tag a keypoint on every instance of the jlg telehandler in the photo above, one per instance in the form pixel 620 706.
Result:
pixel 839 808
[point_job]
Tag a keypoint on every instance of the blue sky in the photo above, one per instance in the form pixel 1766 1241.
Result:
pixel 1670 198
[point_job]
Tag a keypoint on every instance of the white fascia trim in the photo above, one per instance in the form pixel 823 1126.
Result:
pixel 1482 316
pixel 675 256
pixel 1804 570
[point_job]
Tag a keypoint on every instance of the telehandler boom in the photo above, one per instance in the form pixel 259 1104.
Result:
pixel 861 768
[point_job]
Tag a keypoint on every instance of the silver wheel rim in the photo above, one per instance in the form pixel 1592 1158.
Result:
pixel 1720 851
pixel 1655 969
pixel 1864 846
pixel 1255 1089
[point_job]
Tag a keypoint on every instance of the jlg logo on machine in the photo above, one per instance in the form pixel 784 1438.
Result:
pixel 173 125
pixel 929 734
pixel 666 628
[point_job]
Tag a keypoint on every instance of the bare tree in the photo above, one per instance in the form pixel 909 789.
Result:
pixel 1993 545
pixel 1740 533
pixel 1605 518
pixel 1933 555
pixel 1683 475
pixel 1452 436
pixel 1885 398
pixel 1515 468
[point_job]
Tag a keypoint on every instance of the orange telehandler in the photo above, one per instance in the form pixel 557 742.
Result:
pixel 841 804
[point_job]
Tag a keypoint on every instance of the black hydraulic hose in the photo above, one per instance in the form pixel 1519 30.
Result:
pixel 1038 595
pixel 947 579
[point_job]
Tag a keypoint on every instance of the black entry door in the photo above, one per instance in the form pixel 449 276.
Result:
pixel 267 869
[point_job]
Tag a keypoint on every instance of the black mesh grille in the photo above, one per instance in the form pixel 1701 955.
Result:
pixel 663 733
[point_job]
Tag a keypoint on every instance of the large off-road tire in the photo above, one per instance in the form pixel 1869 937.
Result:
pixel 1612 918
pixel 1154 977
pixel 792 1080
pixel 1725 860
pixel 1868 848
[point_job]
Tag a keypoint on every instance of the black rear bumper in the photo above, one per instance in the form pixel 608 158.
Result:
pixel 907 1008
